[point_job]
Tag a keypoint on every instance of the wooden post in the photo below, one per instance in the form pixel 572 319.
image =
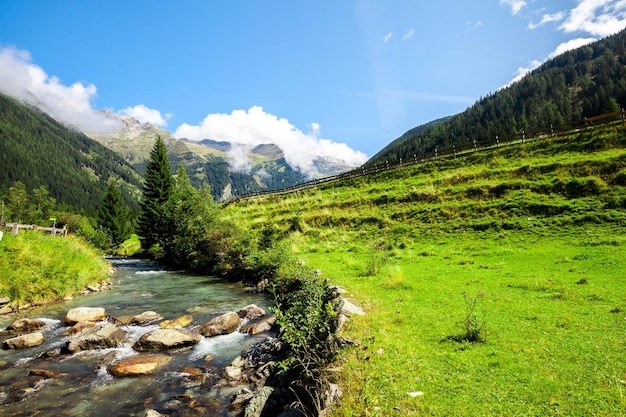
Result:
pixel 15 229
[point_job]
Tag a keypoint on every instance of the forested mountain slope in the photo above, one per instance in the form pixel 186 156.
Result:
pixel 38 151
pixel 584 82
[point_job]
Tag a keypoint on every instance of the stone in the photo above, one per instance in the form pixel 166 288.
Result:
pixel 162 339
pixel 5 300
pixel 79 327
pixel 139 365
pixel 349 309
pixel 100 337
pixel 145 318
pixel 259 325
pixel 44 373
pixel 78 314
pixel 24 326
pixel 153 413
pixel 7 309
pixel 224 324
pixel 24 341
pixel 257 403
pixel 251 312
pixel 178 322
pixel 232 373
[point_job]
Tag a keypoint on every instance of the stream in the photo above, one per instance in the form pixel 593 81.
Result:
pixel 83 386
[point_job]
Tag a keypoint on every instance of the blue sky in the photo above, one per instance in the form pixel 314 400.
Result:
pixel 343 78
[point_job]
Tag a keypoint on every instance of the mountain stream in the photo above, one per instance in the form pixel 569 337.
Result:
pixel 82 385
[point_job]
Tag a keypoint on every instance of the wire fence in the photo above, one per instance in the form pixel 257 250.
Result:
pixel 450 152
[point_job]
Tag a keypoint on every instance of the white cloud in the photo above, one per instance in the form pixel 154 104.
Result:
pixel 597 17
pixel 516 5
pixel 470 26
pixel 71 105
pixel 387 37
pixel 560 49
pixel 408 35
pixel 569 45
pixel 249 128
pixel 147 115
pixel 547 18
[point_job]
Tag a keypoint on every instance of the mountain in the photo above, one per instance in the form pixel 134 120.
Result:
pixel 229 168
pixel 38 151
pixel 584 82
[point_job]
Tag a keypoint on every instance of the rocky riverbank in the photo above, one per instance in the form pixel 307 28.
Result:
pixel 254 381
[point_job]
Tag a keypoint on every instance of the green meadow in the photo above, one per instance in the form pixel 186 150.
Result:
pixel 494 283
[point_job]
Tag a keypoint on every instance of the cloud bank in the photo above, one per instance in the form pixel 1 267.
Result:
pixel 146 115
pixel 71 105
pixel 252 127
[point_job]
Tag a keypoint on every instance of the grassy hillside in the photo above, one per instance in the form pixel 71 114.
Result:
pixel 37 268
pixel 495 284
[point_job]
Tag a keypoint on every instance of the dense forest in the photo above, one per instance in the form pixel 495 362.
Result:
pixel 584 82
pixel 38 151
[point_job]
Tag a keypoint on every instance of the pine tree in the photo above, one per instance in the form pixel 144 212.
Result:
pixel 113 215
pixel 157 188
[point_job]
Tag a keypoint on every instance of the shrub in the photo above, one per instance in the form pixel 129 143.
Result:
pixel 473 327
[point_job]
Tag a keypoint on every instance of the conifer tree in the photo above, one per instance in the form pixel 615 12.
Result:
pixel 113 215
pixel 157 188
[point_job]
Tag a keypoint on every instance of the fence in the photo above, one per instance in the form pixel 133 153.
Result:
pixel 54 231
pixel 453 151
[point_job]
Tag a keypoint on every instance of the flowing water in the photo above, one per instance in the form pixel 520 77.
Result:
pixel 84 386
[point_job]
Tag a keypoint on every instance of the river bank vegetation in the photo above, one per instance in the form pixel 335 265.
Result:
pixel 494 283
pixel 37 269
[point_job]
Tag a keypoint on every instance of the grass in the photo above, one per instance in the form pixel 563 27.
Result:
pixel 537 228
pixel 37 268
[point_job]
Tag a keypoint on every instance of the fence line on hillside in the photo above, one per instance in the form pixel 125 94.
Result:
pixel 16 227
pixel 453 151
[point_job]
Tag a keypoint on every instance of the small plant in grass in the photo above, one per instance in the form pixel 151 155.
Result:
pixel 377 257
pixel 396 279
pixel 473 327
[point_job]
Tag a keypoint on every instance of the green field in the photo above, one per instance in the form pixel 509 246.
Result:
pixel 524 247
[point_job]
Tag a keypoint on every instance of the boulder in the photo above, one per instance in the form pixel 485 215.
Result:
pixel 78 314
pixel 139 365
pixel 162 339
pixel 146 317
pixel 100 337
pixel 251 312
pixel 232 373
pixel 257 403
pixel 349 309
pixel 224 324
pixel 140 319
pixel 5 300
pixel 178 322
pixel 22 326
pixel 79 327
pixel 44 373
pixel 24 341
pixel 259 325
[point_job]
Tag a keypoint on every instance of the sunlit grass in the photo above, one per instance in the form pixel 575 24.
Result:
pixel 37 268
pixel 538 228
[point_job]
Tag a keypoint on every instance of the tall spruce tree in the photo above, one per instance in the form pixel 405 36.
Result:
pixel 157 188
pixel 113 215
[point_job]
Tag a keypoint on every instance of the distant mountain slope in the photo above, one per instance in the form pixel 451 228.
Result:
pixel 584 82
pixel 37 150
pixel 229 168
